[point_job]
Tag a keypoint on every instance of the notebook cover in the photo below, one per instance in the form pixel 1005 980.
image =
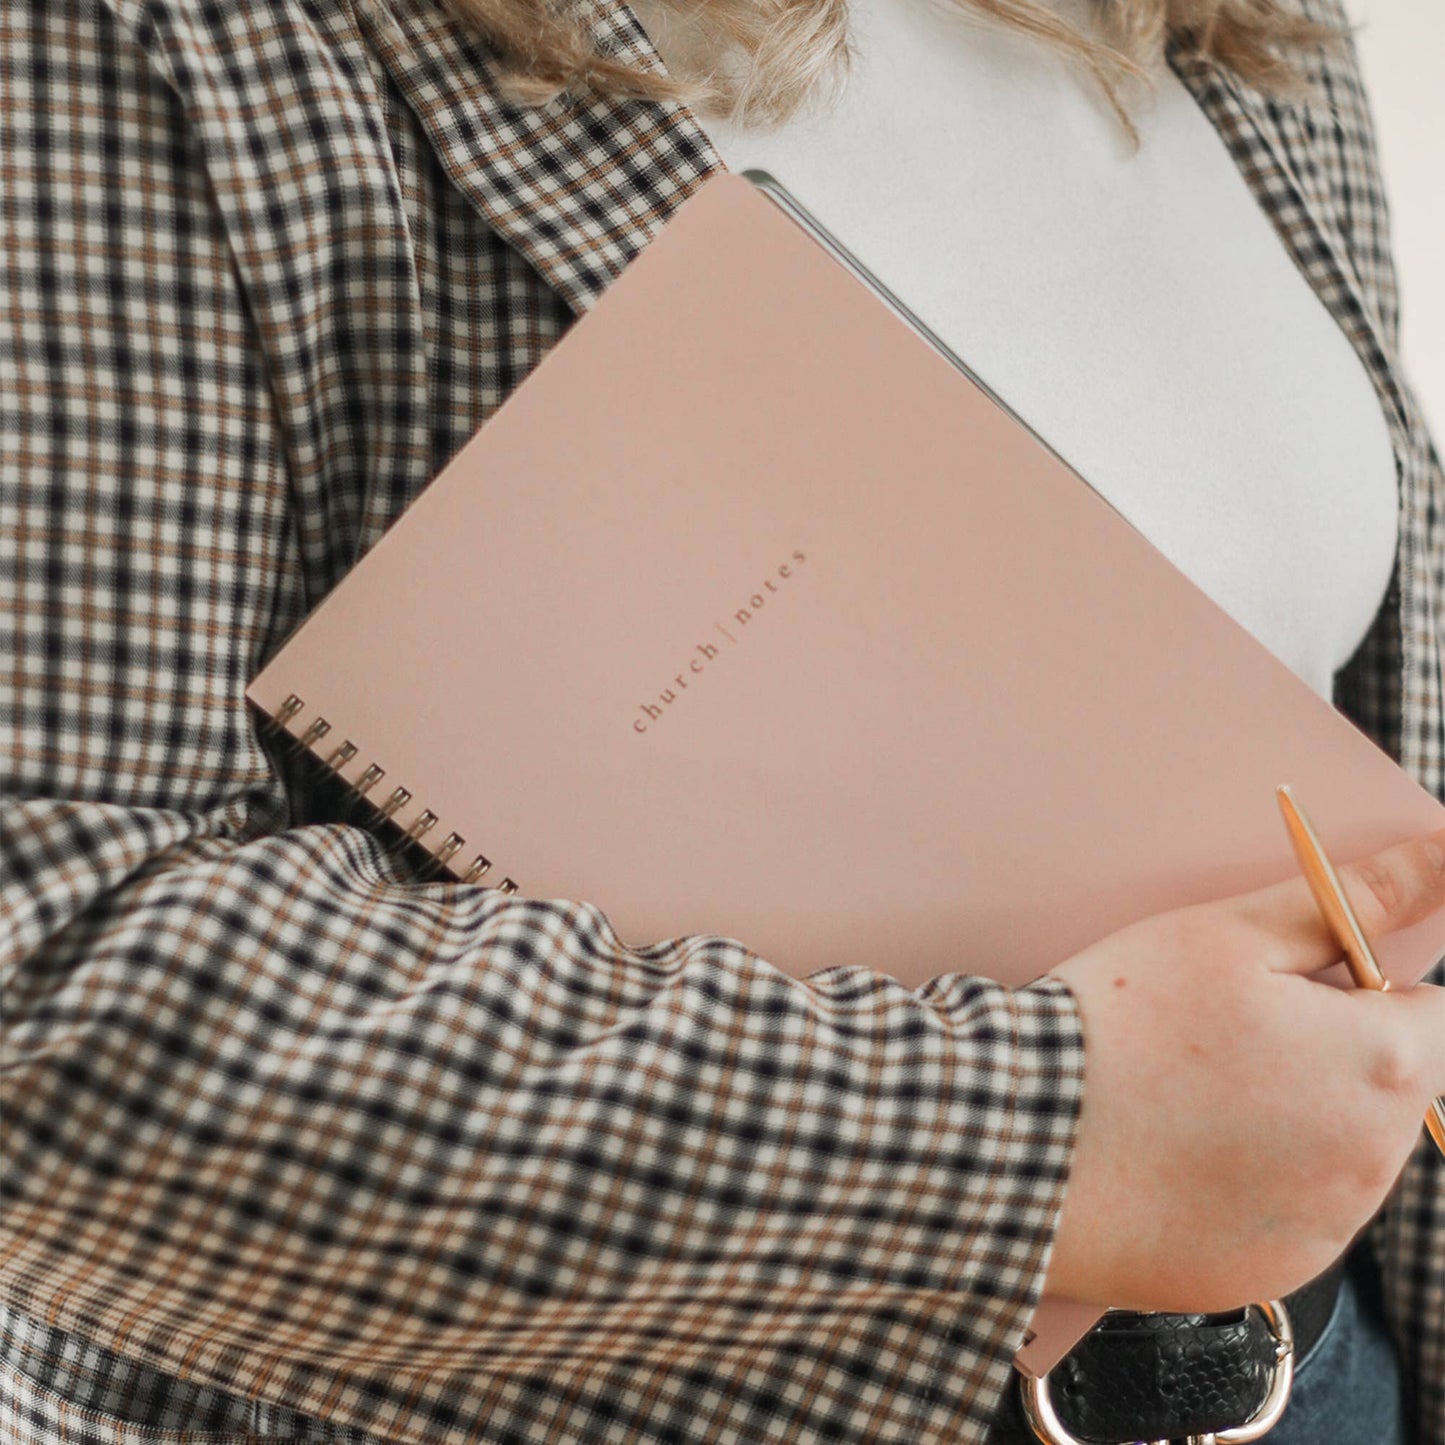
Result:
pixel 749 614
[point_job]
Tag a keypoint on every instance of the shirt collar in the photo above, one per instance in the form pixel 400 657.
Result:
pixel 579 185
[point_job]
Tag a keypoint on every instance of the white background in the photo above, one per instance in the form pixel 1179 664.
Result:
pixel 1402 52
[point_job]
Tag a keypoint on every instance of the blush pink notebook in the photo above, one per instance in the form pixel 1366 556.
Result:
pixel 750 613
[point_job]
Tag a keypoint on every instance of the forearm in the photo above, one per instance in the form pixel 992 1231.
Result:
pixel 363 1148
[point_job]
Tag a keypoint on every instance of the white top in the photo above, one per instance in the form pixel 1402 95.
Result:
pixel 1135 307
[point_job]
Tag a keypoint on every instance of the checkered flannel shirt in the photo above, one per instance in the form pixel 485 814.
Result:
pixel 298 1146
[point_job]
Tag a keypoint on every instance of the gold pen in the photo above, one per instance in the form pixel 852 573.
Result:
pixel 1340 918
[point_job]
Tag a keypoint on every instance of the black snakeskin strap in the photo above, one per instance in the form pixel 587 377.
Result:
pixel 1165 1376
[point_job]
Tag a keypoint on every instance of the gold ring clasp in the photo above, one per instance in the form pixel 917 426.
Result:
pixel 1047 1427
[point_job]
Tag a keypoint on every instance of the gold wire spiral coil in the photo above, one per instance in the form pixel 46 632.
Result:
pixel 314 733
pixel 400 797
pixel 369 779
pixel 415 831
pixel 341 756
pixel 424 822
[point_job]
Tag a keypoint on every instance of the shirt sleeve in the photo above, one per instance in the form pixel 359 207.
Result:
pixel 417 1158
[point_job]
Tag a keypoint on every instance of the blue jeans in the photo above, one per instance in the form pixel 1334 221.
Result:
pixel 1347 1388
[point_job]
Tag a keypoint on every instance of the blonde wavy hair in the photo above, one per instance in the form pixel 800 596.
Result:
pixel 761 61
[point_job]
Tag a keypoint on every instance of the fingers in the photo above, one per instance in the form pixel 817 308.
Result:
pixel 1398 887
pixel 1389 890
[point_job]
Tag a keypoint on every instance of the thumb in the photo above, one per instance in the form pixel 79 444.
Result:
pixel 1389 890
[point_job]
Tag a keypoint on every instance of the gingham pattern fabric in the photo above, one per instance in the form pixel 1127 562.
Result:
pixel 1314 169
pixel 44 1372
pixel 296 1145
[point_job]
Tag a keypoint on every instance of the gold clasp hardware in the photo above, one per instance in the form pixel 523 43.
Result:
pixel 1047 1427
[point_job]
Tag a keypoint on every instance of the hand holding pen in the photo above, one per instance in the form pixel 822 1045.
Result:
pixel 1340 919
pixel 1241 1122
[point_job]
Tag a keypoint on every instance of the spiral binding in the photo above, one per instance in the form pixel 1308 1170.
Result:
pixel 415 832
